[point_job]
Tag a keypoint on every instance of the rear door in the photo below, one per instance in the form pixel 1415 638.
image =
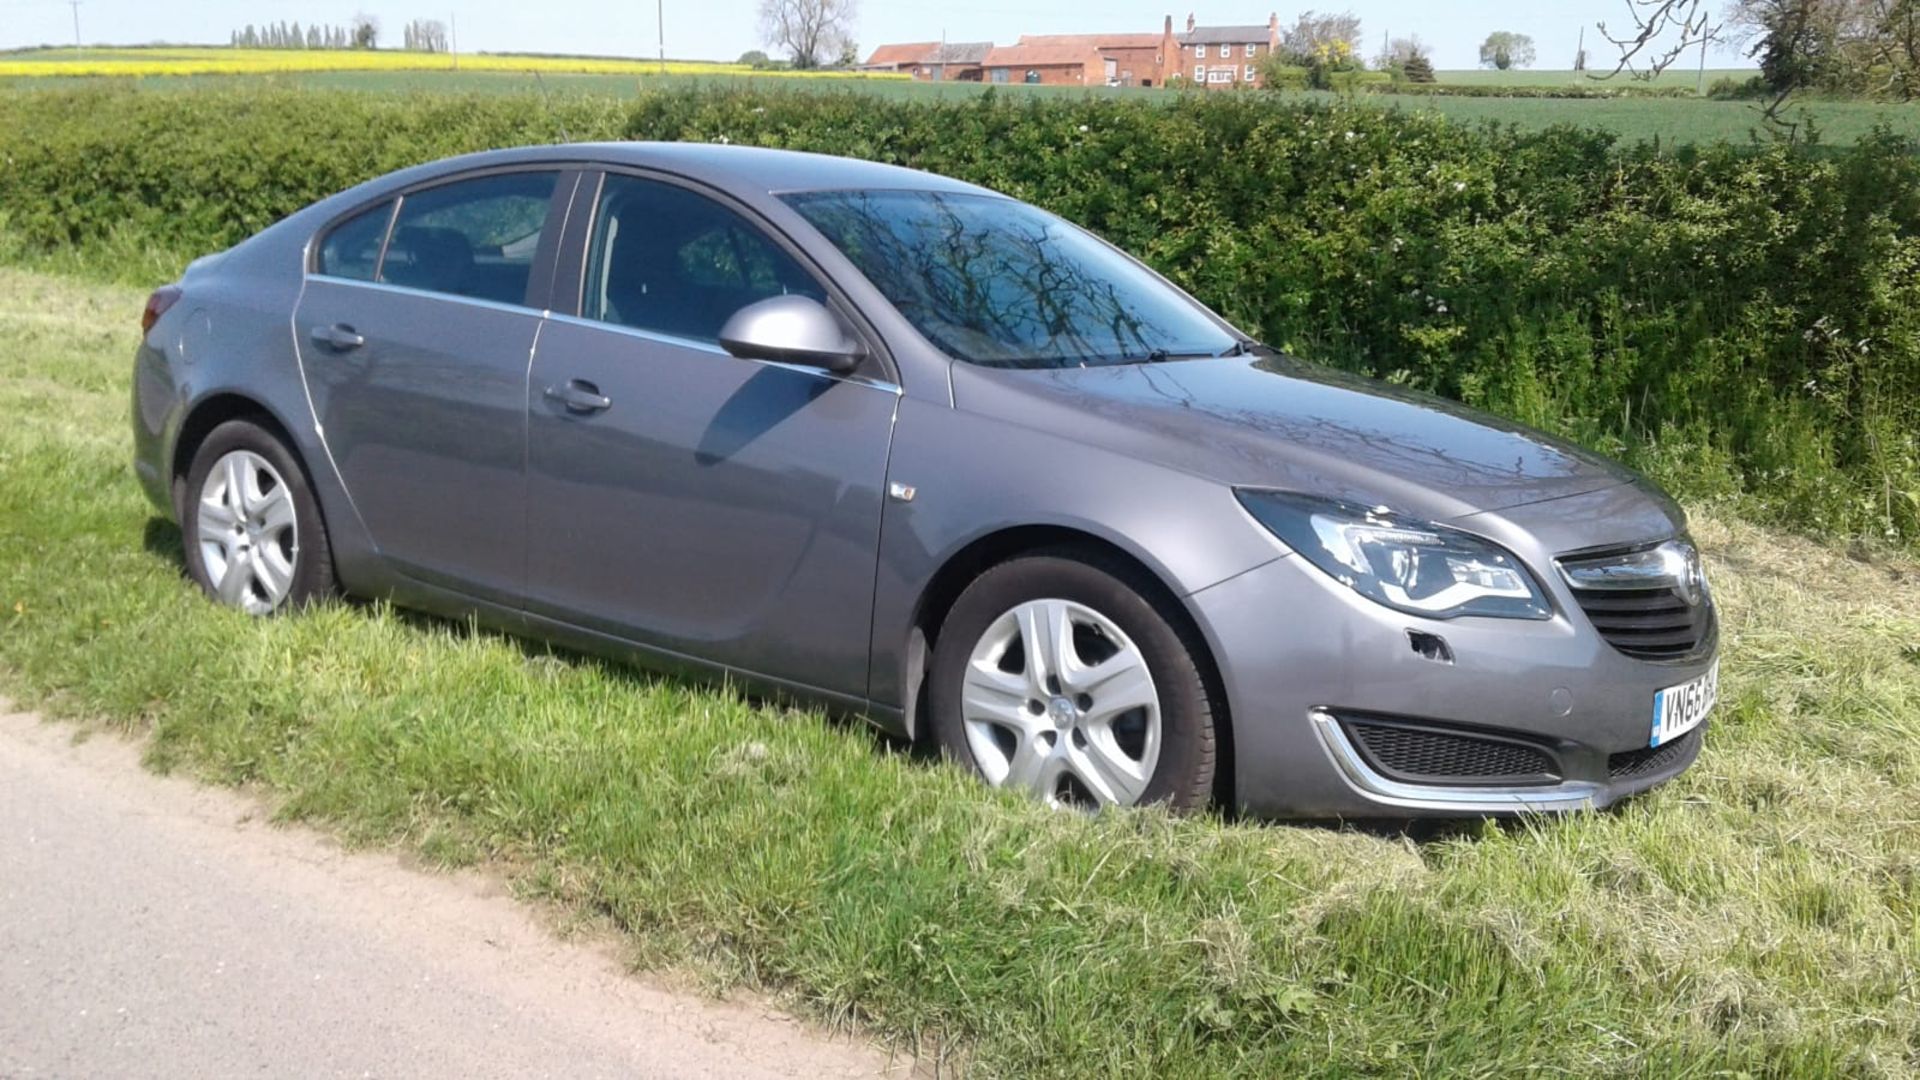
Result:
pixel 680 497
pixel 416 330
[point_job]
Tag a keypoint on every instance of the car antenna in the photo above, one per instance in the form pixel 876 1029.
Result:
pixel 548 101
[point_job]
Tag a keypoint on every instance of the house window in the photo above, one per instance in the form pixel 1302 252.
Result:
pixel 1250 47
pixel 1199 52
pixel 1199 73
pixel 999 75
pixel 1226 50
pixel 1248 76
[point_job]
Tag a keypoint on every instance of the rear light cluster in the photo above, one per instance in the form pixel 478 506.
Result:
pixel 163 298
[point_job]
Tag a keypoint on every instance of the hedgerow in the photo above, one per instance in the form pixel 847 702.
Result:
pixel 1741 322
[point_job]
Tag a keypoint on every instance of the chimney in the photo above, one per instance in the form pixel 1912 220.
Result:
pixel 1273 30
pixel 1189 22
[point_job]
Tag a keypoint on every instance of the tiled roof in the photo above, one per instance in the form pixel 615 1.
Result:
pixel 960 52
pixel 911 53
pixel 1095 41
pixel 1224 35
pixel 1038 55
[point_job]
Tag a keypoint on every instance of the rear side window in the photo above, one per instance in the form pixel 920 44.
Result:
pixel 675 262
pixel 473 238
pixel 352 249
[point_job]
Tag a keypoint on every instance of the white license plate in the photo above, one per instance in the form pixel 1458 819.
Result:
pixel 1679 709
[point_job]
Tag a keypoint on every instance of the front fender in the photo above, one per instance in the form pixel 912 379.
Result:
pixel 974 475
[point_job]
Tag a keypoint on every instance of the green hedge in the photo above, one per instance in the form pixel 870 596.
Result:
pixel 1743 323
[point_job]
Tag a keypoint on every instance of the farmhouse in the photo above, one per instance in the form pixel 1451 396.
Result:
pixel 1216 57
pixel 1222 57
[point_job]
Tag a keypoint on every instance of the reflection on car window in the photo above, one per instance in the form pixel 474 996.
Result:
pixel 472 237
pixel 352 249
pixel 672 261
pixel 994 281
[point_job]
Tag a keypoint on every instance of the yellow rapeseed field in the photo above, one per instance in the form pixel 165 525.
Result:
pixel 228 61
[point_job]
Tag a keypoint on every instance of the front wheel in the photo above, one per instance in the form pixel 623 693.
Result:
pixel 253 535
pixel 1055 677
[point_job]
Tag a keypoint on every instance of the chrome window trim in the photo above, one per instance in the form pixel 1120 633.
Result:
pixel 657 338
pixel 429 294
pixel 1371 785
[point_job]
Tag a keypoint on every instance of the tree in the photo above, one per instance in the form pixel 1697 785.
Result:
pixel 811 31
pixel 1325 41
pixel 1505 49
pixel 1400 52
pixel 753 58
pixel 366 31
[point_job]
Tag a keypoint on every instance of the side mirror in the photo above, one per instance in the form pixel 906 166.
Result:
pixel 791 329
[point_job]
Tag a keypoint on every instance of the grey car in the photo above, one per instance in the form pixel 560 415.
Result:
pixel 901 446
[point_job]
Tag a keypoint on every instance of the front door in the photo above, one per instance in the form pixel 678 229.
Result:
pixel 681 498
pixel 416 361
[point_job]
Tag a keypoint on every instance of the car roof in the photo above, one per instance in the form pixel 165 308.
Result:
pixel 741 169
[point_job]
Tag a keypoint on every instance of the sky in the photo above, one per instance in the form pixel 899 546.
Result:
pixel 723 29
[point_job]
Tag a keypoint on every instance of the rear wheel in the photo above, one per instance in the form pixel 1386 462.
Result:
pixel 253 535
pixel 1056 677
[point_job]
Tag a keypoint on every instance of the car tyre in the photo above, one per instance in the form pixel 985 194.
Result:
pixel 1074 721
pixel 251 527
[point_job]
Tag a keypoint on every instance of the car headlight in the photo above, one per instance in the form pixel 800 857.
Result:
pixel 1408 565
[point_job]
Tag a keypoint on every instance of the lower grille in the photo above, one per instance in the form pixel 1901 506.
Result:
pixel 1421 754
pixel 1649 761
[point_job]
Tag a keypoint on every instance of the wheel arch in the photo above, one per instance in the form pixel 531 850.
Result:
pixel 209 413
pixel 983 553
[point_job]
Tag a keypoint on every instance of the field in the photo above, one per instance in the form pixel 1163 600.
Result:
pixel 1759 916
pixel 186 60
pixel 1670 121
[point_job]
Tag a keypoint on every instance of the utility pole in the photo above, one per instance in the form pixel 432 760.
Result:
pixel 1700 84
pixel 75 5
pixel 660 12
pixel 1580 50
pixel 453 38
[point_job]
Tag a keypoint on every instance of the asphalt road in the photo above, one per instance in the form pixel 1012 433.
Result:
pixel 151 927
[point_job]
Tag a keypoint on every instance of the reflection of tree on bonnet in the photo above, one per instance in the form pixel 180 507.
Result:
pixel 996 282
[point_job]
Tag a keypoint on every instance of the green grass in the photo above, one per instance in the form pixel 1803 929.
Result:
pixel 1760 916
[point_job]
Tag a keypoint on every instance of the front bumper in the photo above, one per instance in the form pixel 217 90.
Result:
pixel 1303 658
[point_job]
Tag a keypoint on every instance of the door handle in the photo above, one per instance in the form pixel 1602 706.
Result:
pixel 579 396
pixel 339 337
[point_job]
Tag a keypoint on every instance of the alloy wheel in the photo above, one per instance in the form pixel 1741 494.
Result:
pixel 248 533
pixel 1058 701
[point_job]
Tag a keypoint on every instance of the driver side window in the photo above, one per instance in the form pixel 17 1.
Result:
pixel 671 261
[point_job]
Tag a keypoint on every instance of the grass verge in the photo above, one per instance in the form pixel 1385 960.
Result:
pixel 1760 915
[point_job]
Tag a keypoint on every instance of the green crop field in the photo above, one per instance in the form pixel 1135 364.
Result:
pixel 1667 120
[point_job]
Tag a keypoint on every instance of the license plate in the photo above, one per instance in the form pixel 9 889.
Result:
pixel 1679 709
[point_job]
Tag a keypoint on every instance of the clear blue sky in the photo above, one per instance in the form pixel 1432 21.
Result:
pixel 723 29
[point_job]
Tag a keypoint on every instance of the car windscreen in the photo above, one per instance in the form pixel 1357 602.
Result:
pixel 997 282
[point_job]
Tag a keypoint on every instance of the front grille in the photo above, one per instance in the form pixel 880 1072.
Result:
pixel 1426 755
pixel 1633 764
pixel 1650 624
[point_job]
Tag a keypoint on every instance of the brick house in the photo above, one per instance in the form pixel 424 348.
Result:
pixel 1068 63
pixel 1225 57
pixel 1125 59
